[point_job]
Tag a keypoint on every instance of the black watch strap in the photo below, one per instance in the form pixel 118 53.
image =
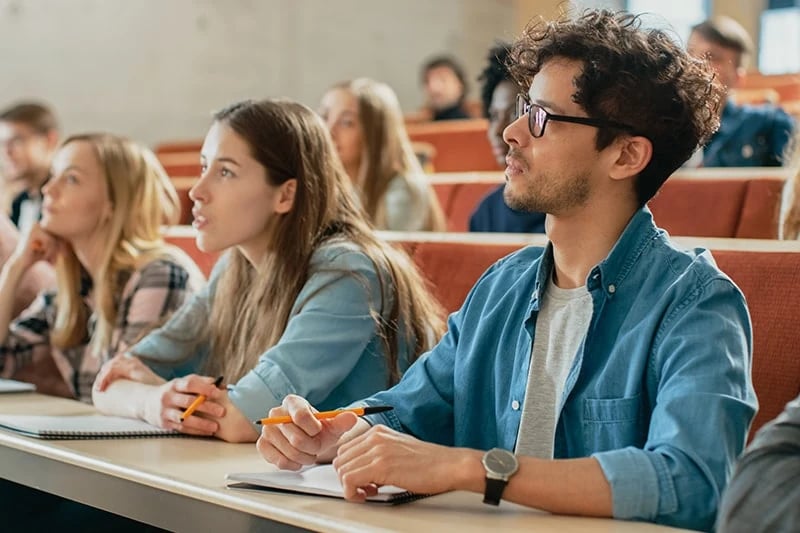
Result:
pixel 494 490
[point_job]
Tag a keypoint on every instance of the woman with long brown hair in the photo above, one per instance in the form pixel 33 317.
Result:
pixel 307 301
pixel 367 127
pixel 103 210
pixel 789 224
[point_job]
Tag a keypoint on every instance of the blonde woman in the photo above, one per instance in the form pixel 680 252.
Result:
pixel 308 300
pixel 116 279
pixel 366 123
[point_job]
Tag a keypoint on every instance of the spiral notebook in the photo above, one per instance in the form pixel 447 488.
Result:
pixel 77 427
pixel 320 480
pixel 11 385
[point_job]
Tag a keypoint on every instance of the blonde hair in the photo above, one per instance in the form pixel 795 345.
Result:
pixel 143 198
pixel 252 305
pixel 388 154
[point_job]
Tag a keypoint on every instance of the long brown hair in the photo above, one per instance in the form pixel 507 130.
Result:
pixel 790 203
pixel 388 154
pixel 143 199
pixel 252 305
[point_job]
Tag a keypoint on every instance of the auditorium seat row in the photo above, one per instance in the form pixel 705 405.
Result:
pixel 734 203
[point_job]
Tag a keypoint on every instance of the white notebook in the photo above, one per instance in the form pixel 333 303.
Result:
pixel 12 385
pixel 320 480
pixel 81 427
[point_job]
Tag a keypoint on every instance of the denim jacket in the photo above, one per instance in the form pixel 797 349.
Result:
pixel 749 136
pixel 330 351
pixel 659 392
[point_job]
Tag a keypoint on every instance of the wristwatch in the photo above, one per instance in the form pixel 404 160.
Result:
pixel 500 465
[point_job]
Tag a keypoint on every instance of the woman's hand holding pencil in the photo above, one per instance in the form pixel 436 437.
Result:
pixel 198 401
pixel 169 406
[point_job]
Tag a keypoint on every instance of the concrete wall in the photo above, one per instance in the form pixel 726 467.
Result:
pixel 156 69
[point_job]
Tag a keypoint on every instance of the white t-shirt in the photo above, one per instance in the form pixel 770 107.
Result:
pixel 561 326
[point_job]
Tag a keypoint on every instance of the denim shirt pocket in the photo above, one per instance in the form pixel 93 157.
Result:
pixel 613 423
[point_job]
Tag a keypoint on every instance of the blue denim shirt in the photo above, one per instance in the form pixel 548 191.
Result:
pixel 330 351
pixel 659 391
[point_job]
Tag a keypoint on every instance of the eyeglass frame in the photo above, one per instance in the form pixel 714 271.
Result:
pixel 525 107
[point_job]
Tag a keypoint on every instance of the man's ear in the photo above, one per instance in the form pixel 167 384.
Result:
pixel 633 154
pixel 285 198
pixel 741 74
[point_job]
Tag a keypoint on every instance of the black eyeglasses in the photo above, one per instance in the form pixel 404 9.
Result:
pixel 538 117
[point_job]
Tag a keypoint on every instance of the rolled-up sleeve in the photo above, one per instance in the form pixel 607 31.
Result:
pixel 704 406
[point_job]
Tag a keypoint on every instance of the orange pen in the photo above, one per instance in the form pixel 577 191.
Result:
pixel 360 411
pixel 198 401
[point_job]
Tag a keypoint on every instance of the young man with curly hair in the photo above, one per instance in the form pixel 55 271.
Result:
pixel 615 366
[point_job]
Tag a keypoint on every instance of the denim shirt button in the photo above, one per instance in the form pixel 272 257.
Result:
pixel 515 405
pixel 612 289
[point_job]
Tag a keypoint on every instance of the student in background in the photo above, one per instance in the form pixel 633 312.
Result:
pixel 748 136
pixel 102 214
pixel 307 301
pixel 499 96
pixel 366 124
pixel 28 140
pixel 764 493
pixel 445 86
pixel 590 358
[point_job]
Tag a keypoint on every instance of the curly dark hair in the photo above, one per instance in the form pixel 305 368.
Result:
pixel 630 75
pixel 494 74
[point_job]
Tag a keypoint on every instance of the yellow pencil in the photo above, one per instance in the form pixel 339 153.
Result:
pixel 198 401
pixel 360 411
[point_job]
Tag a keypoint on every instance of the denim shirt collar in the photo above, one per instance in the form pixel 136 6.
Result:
pixel 611 272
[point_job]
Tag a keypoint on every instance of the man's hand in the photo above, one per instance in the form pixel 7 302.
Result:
pixel 383 456
pixel 307 440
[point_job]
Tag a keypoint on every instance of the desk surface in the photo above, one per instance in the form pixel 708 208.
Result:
pixel 179 484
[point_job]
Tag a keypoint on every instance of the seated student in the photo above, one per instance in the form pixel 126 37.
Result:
pixel 499 95
pixel 748 136
pixel 308 300
pixel 590 358
pixel 764 493
pixel 366 124
pixel 29 138
pixel 102 214
pixel 445 86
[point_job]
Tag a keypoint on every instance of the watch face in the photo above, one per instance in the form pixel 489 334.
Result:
pixel 500 461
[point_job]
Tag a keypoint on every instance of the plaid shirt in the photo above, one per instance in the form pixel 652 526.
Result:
pixel 149 295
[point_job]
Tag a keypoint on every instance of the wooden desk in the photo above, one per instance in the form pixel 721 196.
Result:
pixel 178 484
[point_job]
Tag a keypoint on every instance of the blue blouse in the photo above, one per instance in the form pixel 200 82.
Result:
pixel 330 351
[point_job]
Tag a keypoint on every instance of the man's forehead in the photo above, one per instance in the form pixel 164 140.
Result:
pixel 555 82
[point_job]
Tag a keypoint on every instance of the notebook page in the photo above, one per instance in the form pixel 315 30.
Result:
pixel 79 426
pixel 319 479
pixel 11 385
